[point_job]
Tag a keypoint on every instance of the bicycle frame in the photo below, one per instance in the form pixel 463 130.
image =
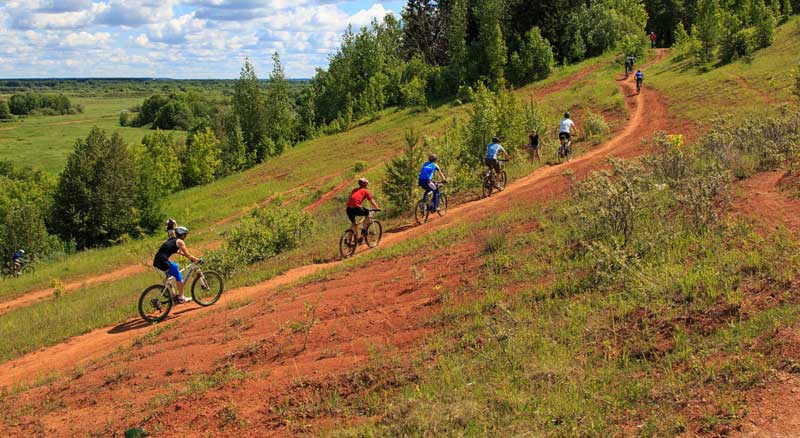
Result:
pixel 171 282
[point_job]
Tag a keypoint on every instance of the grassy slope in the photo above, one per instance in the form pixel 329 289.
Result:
pixel 203 207
pixel 738 89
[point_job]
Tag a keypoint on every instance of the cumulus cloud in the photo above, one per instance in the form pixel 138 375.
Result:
pixel 174 38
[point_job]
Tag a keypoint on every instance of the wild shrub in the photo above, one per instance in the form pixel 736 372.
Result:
pixel 534 59
pixel 264 233
pixel 123 118
pixel 5 112
pixel 594 125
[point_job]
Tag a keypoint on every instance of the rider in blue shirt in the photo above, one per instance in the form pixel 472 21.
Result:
pixel 639 78
pixel 426 179
pixel 17 260
pixel 492 151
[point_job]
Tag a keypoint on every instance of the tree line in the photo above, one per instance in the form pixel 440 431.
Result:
pixel 30 103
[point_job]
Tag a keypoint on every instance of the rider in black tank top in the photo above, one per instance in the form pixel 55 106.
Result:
pixel 167 249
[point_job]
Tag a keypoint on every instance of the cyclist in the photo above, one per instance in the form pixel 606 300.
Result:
pixel 490 160
pixel 629 64
pixel 170 247
pixel 639 77
pixel 653 39
pixel 170 227
pixel 426 179
pixel 533 146
pixel 354 204
pixel 17 259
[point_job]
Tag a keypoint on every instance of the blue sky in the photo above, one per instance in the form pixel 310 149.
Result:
pixel 174 38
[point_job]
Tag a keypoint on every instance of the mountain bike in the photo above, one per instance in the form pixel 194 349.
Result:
pixel 370 234
pixel 157 300
pixel 493 181
pixel 565 150
pixel 25 269
pixel 638 87
pixel 425 207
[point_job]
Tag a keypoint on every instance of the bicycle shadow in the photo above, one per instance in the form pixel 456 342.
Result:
pixel 139 324
pixel 401 228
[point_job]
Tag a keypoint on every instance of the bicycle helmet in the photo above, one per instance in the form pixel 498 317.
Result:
pixel 496 139
pixel 363 182
pixel 170 224
pixel 22 251
pixel 181 232
pixel 433 157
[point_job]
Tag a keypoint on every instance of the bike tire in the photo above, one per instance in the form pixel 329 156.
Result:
pixel 487 186
pixel 210 288
pixel 155 303
pixel 442 205
pixel 421 212
pixel 27 270
pixel 502 178
pixel 374 234
pixel 347 244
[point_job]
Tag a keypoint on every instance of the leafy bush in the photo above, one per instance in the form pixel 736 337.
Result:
pixel 123 118
pixel 48 104
pixel 360 166
pixel 264 233
pixel 5 112
pixel 594 124
pixel 534 59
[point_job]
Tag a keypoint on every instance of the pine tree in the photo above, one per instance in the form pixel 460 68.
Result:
pixel 492 43
pixel 457 42
pixel 708 26
pixel 115 193
pixel 765 23
pixel 400 183
pixel 423 31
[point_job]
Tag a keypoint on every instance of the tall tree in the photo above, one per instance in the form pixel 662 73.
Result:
pixel 708 26
pixel 248 104
pixel 201 158
pixel 280 116
pixel 424 30
pixel 492 42
pixel 457 15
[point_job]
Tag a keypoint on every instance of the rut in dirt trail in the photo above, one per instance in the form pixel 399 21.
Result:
pixel 648 115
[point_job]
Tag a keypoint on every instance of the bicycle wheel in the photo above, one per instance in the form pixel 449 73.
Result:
pixel 27 270
pixel 488 186
pixel 155 303
pixel 207 287
pixel 421 212
pixel 442 204
pixel 502 178
pixel 374 234
pixel 347 244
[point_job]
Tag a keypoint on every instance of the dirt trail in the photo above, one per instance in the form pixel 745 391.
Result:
pixel 761 199
pixel 541 186
pixel 32 297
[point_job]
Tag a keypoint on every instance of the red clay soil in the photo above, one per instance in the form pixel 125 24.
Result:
pixel 761 198
pixel 774 412
pixel 382 306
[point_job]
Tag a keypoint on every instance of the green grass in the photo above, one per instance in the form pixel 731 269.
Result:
pixel 44 142
pixel 739 89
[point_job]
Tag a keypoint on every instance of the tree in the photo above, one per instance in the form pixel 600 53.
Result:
pixel 201 159
pixel 160 154
pixel 233 156
pixel 99 199
pixel 280 116
pixel 457 12
pixel 248 104
pixel 401 173
pixel 708 26
pixel 765 23
pixel 5 112
pixel 423 31
pixel 534 59
pixel 492 43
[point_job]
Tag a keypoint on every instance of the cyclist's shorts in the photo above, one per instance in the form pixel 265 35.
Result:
pixel 175 271
pixel 564 135
pixel 354 212
pixel 428 185
pixel 492 163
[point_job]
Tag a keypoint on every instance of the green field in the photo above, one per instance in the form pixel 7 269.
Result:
pixel 44 142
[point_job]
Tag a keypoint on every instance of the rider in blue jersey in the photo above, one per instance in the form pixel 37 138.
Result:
pixel 492 151
pixel 17 259
pixel 426 179
pixel 639 77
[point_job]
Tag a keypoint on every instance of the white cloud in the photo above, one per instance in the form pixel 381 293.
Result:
pixel 86 39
